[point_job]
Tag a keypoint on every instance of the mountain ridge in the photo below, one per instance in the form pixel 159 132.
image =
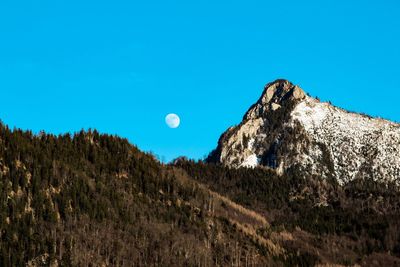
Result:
pixel 287 128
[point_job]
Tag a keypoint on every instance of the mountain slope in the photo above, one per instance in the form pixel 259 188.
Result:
pixel 95 200
pixel 357 223
pixel 286 129
pixel 92 199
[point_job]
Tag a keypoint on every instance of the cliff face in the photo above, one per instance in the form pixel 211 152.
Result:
pixel 287 128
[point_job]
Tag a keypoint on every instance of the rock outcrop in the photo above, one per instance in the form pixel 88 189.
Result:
pixel 288 129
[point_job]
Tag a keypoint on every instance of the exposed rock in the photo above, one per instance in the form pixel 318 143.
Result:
pixel 275 106
pixel 287 128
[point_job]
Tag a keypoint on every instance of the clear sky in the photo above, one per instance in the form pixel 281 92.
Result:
pixel 121 66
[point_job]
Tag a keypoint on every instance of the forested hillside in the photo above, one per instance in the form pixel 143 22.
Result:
pixel 358 223
pixel 91 199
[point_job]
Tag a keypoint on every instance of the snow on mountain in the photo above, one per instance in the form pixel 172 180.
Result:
pixel 286 128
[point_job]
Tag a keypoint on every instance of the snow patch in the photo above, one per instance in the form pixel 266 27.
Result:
pixel 251 161
pixel 353 141
pixel 251 143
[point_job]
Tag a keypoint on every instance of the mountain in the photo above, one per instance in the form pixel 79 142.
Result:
pixel 286 128
pixel 91 199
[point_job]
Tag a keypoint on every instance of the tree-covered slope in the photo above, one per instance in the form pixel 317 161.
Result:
pixel 358 223
pixel 91 200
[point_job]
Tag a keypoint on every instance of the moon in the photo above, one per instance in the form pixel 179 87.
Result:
pixel 172 120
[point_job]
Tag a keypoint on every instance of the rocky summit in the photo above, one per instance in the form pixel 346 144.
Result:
pixel 286 129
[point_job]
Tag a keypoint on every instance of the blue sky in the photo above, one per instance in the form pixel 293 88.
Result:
pixel 121 66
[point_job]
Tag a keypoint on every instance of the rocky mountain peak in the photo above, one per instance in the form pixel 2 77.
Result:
pixel 275 95
pixel 280 90
pixel 286 128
